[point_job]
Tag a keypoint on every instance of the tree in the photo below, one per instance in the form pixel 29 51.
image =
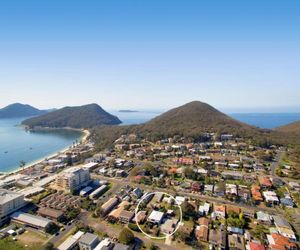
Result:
pixel 22 164
pixel 52 228
pixel 126 236
pixel 48 246
pixel 187 209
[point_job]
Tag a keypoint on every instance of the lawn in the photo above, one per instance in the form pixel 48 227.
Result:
pixel 32 238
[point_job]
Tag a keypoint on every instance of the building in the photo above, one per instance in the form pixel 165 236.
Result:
pixel 156 217
pixel 126 216
pixel 271 198
pixel 169 226
pixel 279 242
pixel 204 209
pixel 220 211
pixel 10 202
pixel 236 242
pixel 52 214
pixel 201 231
pixel 71 241
pixel 73 178
pixel 284 228
pixel 109 205
pixel 264 218
pixel 88 241
pixel 255 246
pixel 217 238
pixel 30 220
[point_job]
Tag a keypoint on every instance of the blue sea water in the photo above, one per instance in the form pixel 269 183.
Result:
pixel 31 146
pixel 266 120
pixel 17 145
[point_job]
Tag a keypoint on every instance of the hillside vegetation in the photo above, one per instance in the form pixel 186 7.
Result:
pixel 86 116
pixel 191 121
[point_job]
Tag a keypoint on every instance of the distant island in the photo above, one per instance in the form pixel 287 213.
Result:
pixel 16 110
pixel 128 111
pixel 86 116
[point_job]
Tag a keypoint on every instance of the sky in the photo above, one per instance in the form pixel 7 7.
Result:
pixel 241 55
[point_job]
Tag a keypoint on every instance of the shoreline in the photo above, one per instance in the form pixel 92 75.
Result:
pixel 83 139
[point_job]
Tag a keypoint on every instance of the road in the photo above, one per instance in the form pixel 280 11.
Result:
pixel 62 234
pixel 275 163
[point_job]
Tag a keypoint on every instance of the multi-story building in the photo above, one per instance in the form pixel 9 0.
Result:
pixel 9 202
pixel 73 178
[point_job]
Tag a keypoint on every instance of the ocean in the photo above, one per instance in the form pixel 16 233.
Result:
pixel 17 145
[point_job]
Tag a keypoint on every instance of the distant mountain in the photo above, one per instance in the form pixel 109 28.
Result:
pixel 86 116
pixel 190 120
pixel 20 110
pixel 293 127
pixel 127 111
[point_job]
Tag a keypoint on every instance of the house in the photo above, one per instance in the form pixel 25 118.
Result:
pixel 119 246
pixel 264 182
pixel 287 202
pixel 284 228
pixel 201 231
pixel 169 226
pixel 217 238
pixel 208 189
pixel 156 217
pixel 105 244
pixel 256 194
pixel 220 211
pixel 126 216
pixel 88 241
pixel 140 217
pixel 204 209
pixel 179 200
pixel 196 187
pixel 137 192
pixel 232 175
pixel 279 242
pixel 255 246
pixel 271 198
pixel 233 209
pixel 236 242
pixel 249 213
pixel 264 218
pixel 231 189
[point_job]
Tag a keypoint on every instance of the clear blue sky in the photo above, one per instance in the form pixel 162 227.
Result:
pixel 152 54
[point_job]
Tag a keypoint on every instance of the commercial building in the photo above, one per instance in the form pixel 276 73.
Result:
pixel 73 178
pixel 10 202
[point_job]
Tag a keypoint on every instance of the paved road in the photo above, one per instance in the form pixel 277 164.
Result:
pixel 57 238
pixel 275 163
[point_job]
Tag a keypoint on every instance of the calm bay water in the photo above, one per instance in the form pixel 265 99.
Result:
pixel 17 145
pixel 21 145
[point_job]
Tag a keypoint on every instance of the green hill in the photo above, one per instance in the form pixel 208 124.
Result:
pixel 86 116
pixel 20 110
pixel 290 128
pixel 191 121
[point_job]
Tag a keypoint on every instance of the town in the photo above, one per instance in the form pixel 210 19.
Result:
pixel 232 195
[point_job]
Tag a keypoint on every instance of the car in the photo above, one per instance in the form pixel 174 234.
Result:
pixel 57 233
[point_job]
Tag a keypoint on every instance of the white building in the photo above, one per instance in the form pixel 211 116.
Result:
pixel 10 202
pixel 156 217
pixel 204 209
pixel 73 178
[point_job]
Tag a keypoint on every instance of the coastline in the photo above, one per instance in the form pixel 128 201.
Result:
pixel 83 139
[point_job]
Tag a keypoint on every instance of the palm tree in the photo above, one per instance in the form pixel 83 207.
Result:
pixel 22 164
